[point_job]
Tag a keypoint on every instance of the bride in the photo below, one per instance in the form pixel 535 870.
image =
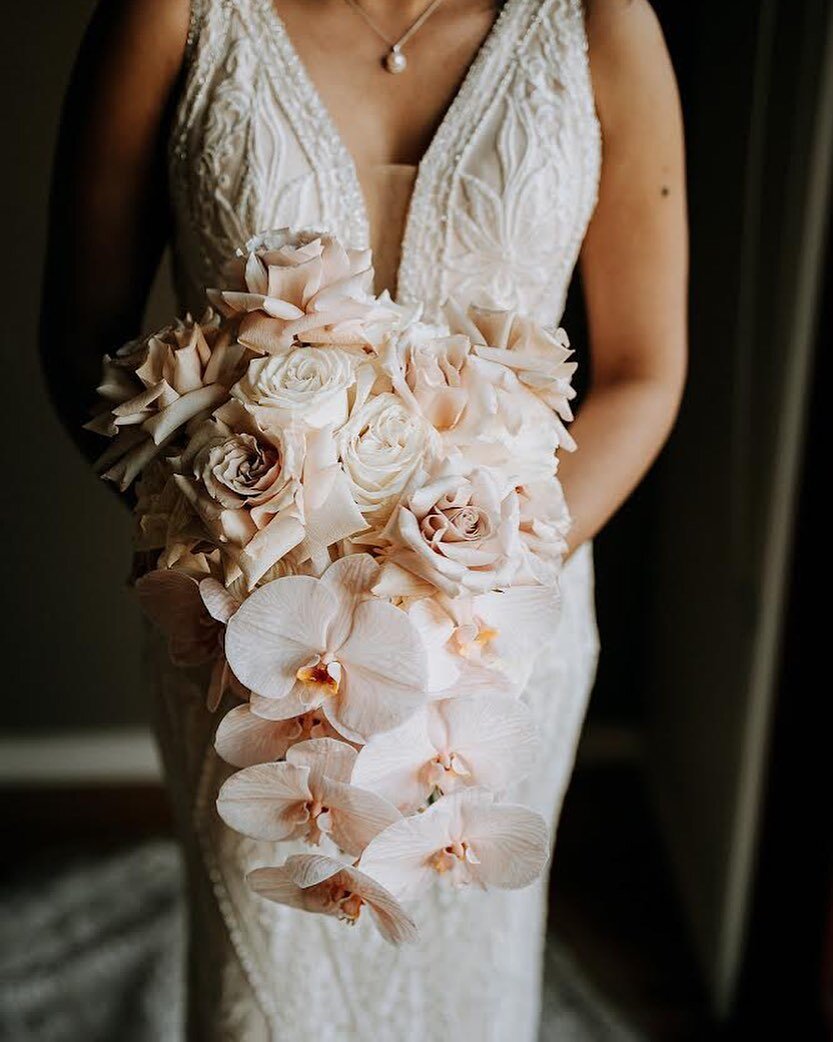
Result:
pixel 481 149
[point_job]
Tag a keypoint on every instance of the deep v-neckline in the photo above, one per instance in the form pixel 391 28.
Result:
pixel 445 136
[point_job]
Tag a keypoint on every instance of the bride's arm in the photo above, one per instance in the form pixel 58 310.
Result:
pixel 108 218
pixel 634 266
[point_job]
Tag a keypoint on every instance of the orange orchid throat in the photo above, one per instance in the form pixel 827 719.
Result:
pixel 446 771
pixel 322 677
pixel 347 903
pixel 454 856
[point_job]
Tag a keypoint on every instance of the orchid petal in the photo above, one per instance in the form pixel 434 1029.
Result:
pixel 391 764
pixel 398 858
pixel 494 734
pixel 385 672
pixel 244 739
pixel 275 632
pixel 356 814
pixel 325 758
pixel 511 842
pixel 263 801
pixel 350 579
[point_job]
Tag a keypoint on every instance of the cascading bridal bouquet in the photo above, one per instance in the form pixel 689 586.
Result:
pixel 356 517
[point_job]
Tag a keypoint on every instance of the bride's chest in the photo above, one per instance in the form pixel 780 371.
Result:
pixel 502 196
pixel 386 118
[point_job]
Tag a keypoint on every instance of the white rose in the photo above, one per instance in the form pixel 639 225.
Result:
pixel 383 449
pixel 309 383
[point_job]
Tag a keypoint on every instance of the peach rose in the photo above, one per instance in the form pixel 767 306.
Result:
pixel 245 486
pixel 293 288
pixel 538 356
pixel 158 385
pixel 458 532
pixel 425 369
pixel 544 524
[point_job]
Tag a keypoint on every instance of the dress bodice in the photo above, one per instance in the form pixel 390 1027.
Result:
pixel 499 203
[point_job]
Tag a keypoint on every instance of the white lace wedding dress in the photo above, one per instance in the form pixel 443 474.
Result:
pixel 498 212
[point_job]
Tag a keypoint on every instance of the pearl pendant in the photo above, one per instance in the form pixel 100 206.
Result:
pixel 395 61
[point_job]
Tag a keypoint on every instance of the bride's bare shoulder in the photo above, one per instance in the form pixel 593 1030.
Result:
pixel 148 36
pixel 629 62
pixel 612 22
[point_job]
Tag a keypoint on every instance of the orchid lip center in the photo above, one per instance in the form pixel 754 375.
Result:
pixel 349 905
pixel 322 677
pixel 446 769
pixel 452 857
pixel 317 821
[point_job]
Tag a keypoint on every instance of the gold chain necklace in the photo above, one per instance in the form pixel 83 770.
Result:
pixel 395 61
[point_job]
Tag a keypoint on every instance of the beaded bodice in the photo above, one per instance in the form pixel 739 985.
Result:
pixel 501 199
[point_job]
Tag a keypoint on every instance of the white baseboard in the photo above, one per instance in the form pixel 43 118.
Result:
pixel 130 755
pixel 127 755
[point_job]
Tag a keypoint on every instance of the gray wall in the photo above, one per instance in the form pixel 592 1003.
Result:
pixel 70 627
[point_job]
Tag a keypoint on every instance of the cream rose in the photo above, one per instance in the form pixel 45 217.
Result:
pixel 383 449
pixel 458 532
pixel 309 384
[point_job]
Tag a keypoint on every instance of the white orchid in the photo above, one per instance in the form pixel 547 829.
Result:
pixel 505 631
pixel 308 796
pixel 466 837
pixel 316 883
pixel 305 642
pixel 482 739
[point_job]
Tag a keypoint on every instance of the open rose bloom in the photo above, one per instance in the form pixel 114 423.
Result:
pixel 355 519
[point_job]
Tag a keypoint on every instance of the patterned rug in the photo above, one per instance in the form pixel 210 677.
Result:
pixel 91 951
